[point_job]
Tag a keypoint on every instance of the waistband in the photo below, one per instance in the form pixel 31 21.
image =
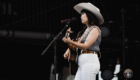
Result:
pixel 88 51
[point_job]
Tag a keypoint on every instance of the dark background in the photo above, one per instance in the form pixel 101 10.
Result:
pixel 28 26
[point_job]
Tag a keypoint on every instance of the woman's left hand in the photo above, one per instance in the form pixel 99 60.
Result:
pixel 66 40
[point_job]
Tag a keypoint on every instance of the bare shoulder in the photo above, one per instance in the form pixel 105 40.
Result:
pixel 95 30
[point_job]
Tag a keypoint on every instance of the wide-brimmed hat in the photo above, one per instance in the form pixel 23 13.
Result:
pixel 90 7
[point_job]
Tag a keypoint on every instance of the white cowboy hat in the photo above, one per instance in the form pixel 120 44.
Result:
pixel 90 7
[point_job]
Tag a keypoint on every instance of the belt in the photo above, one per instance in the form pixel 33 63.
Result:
pixel 88 51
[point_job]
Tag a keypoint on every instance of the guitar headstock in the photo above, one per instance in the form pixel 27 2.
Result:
pixel 68 32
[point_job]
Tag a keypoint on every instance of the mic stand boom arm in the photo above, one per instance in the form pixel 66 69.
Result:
pixel 55 38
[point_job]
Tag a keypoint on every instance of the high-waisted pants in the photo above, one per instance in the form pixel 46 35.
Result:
pixel 89 66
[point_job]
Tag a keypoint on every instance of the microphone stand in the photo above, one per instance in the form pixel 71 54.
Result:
pixel 54 41
pixel 123 36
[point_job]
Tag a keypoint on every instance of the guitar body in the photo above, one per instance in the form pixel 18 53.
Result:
pixel 73 57
pixel 73 66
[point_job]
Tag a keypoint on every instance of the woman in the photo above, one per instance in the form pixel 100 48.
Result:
pixel 88 42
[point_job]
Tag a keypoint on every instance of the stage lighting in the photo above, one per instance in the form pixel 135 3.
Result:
pixel 107 74
pixel 105 31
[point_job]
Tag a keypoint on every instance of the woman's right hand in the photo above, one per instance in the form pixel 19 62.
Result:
pixel 66 55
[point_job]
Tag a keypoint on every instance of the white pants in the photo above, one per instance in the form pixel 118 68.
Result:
pixel 89 67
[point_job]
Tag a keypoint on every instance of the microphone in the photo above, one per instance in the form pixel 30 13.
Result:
pixel 68 20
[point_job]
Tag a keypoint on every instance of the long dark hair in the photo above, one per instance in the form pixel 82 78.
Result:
pixel 92 20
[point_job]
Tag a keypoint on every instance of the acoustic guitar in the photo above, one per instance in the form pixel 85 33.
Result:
pixel 73 56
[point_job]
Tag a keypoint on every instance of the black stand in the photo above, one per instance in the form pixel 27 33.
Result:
pixel 123 36
pixel 54 41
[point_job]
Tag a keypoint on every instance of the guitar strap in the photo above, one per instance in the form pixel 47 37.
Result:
pixel 85 33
